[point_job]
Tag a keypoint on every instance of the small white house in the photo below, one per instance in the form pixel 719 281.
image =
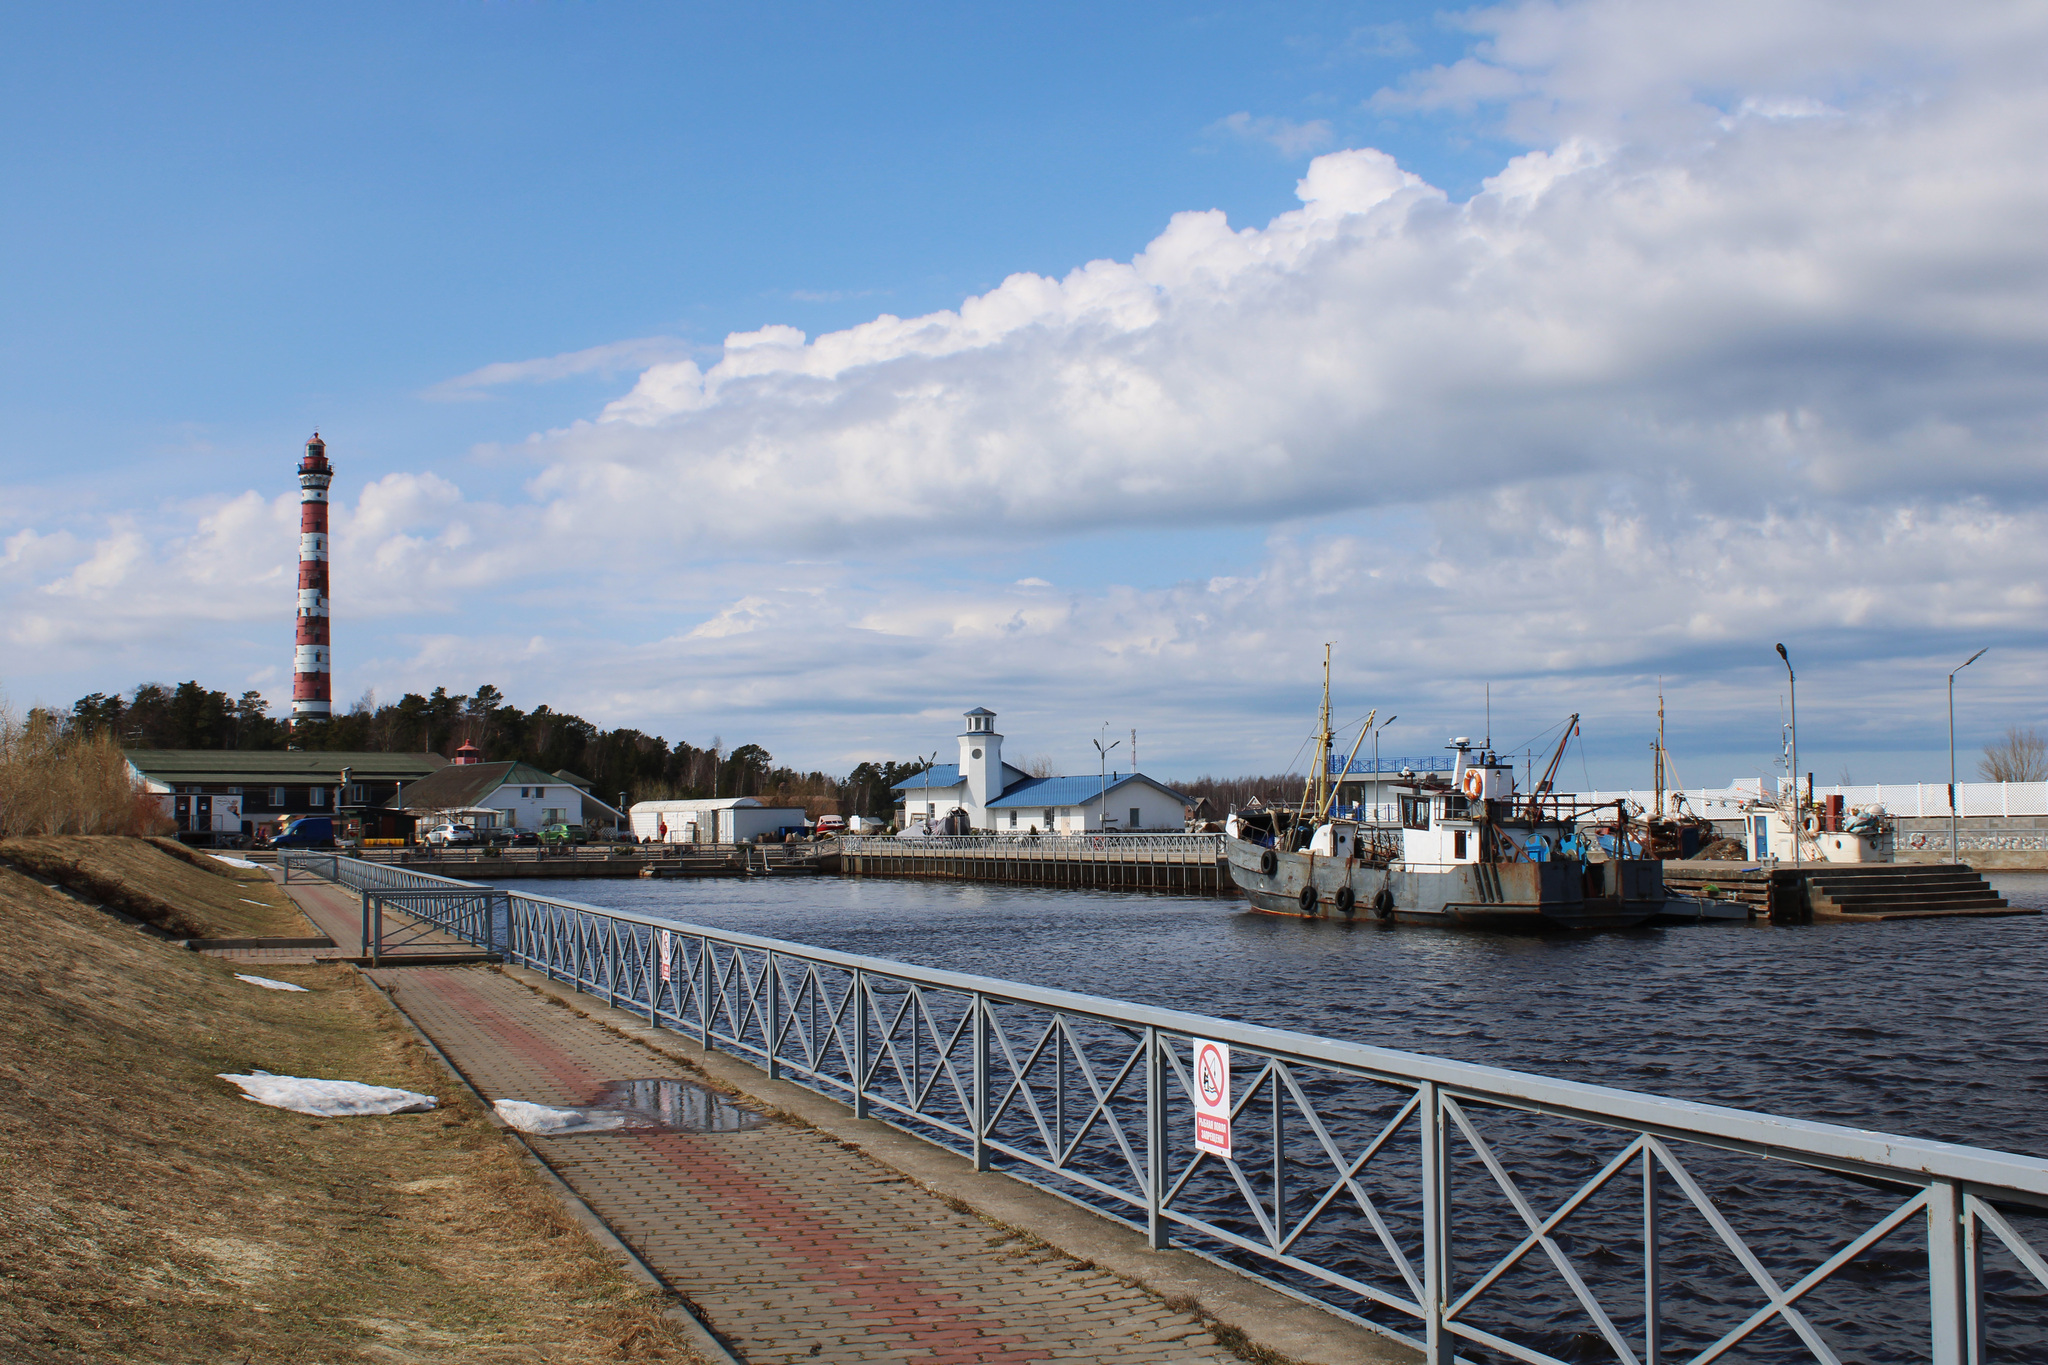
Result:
pixel 711 820
pixel 1003 799
pixel 497 796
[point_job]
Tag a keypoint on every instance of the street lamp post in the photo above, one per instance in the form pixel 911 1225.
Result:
pixel 1102 798
pixel 1798 815
pixel 1953 856
pixel 1377 786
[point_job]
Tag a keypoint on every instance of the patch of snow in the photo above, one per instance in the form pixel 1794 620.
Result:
pixel 233 862
pixel 328 1099
pixel 538 1118
pixel 246 901
pixel 267 983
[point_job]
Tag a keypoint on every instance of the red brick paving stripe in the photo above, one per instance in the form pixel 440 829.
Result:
pixel 818 1247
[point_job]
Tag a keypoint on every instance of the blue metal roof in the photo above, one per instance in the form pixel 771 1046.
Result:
pixel 941 775
pixel 1070 791
pixel 948 775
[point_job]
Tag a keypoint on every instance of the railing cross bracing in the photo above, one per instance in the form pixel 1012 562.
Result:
pixel 1474 1212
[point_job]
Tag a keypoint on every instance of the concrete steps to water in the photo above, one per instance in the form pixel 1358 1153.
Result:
pixel 1900 891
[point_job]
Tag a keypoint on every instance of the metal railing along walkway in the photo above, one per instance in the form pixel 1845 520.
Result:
pixel 1475 1212
pixel 431 910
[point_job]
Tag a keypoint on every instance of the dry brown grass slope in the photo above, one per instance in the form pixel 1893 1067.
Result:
pixel 152 1214
pixel 181 891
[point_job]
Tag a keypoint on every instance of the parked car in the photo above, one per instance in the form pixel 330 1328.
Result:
pixel 308 831
pixel 521 836
pixel 441 836
pixel 562 834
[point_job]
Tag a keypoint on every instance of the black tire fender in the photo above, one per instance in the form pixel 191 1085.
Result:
pixel 1383 903
pixel 1346 900
pixel 1269 862
pixel 1310 899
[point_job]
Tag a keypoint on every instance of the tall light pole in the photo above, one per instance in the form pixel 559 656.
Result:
pixel 1102 799
pixel 1952 854
pixel 1798 814
pixel 1376 786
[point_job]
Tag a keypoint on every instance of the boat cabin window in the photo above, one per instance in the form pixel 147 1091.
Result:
pixel 1458 845
pixel 1415 812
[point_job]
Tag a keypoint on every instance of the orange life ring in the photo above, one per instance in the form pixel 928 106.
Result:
pixel 1475 782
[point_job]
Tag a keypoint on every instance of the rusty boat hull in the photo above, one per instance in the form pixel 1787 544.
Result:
pixel 1619 893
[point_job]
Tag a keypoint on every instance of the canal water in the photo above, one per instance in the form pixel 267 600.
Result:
pixel 1932 1028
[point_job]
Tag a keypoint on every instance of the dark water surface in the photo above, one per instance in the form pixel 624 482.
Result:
pixel 1930 1028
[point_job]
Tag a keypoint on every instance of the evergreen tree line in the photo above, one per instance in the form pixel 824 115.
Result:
pixel 645 767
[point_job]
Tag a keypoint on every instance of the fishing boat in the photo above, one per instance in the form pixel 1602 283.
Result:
pixel 1468 848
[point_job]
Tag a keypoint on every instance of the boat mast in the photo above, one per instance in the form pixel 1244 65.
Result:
pixel 1316 787
pixel 1659 778
pixel 1323 738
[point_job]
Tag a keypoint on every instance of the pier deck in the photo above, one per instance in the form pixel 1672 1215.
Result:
pixel 1186 863
pixel 1840 893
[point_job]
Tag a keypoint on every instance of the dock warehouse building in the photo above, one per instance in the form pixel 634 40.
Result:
pixel 503 795
pixel 712 820
pixel 217 795
pixel 1002 799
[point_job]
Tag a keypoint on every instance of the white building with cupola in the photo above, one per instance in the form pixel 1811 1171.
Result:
pixel 994 797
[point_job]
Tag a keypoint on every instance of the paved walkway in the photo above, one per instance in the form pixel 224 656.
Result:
pixel 792 1246
pixel 337 912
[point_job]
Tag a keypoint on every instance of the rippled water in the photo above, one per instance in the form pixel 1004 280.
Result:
pixel 1932 1028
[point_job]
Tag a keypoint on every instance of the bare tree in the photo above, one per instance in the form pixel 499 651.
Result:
pixel 2021 756
pixel 1041 765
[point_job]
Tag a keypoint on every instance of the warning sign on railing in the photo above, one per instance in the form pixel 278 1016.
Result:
pixel 667 949
pixel 1212 1098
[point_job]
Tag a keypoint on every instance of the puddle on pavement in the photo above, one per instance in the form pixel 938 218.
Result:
pixel 682 1106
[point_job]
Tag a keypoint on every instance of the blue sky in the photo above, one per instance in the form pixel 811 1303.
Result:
pixel 1564 347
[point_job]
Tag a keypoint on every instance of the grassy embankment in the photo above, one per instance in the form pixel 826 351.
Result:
pixel 154 1215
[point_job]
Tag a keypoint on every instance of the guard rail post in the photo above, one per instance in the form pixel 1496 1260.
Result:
pixel 979 1109
pixel 860 1043
pixel 1155 1140
pixel 1653 1295
pixel 613 959
pixel 769 1025
pixel 704 991
pixel 363 949
pixel 1438 1346
pixel 1945 1273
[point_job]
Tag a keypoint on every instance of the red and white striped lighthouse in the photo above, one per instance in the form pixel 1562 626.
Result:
pixel 313 660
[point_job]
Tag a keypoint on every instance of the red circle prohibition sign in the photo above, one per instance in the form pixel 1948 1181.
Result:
pixel 1210 1078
